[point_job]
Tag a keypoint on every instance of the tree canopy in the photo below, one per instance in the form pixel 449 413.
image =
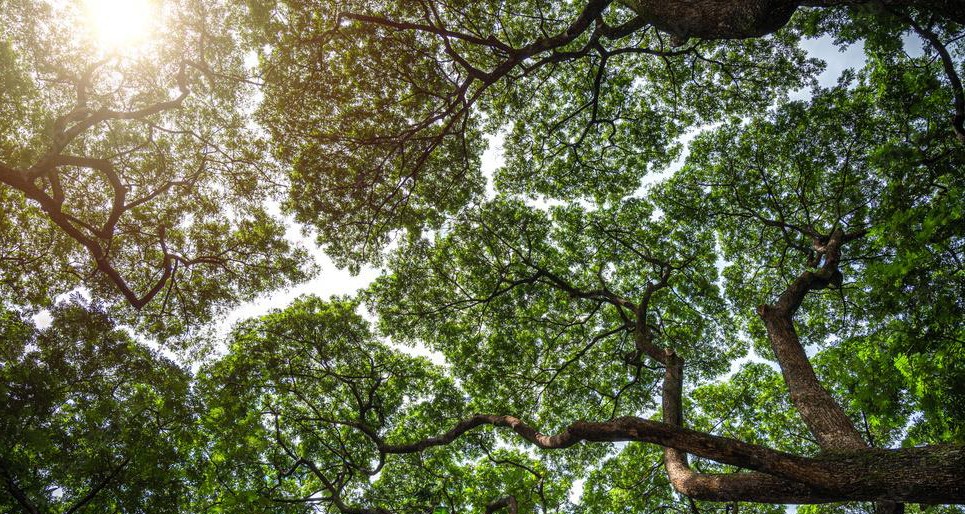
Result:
pixel 136 176
pixel 697 280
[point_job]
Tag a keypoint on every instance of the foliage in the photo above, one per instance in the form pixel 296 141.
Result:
pixel 90 418
pixel 135 175
pixel 381 136
pixel 673 259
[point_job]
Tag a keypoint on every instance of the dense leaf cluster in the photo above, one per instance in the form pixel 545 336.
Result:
pixel 673 258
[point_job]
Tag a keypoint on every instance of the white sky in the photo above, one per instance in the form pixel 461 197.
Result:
pixel 334 281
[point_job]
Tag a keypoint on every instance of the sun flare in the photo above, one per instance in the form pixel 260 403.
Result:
pixel 118 25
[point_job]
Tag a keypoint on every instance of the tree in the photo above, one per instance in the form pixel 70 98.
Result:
pixel 559 325
pixel 380 107
pixel 597 313
pixel 134 174
pixel 779 321
pixel 90 420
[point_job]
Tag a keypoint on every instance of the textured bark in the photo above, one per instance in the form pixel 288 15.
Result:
pixel 746 486
pixel 753 487
pixel 823 416
pixel 739 19
pixel 926 475
pixel 720 449
pixel 861 474
pixel 508 503
pixel 929 475
pixel 715 19
pixel 821 413
pixel 825 419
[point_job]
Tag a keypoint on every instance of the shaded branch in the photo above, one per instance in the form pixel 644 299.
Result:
pixel 720 449
pixel 10 484
pixel 958 119
pixel 507 502
pixel 80 503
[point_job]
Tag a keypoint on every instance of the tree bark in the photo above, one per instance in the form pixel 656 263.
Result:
pixel 507 502
pixel 821 413
pixel 715 19
pixel 753 487
pixel 889 477
pixel 740 19
pixel 824 417
pixel 929 474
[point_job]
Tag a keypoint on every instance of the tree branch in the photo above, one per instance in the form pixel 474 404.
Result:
pixel 720 449
pixel 98 487
pixel 507 502
pixel 18 494
pixel 821 413
pixel 958 119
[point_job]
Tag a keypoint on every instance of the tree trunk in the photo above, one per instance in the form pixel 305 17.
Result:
pixel 823 416
pixel 889 477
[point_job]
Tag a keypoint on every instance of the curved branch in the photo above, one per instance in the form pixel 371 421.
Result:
pixel 758 487
pixel 720 449
pixel 929 474
pixel 958 119
pixel 10 484
pixel 95 239
pixel 507 502
pixel 97 488
pixel 823 416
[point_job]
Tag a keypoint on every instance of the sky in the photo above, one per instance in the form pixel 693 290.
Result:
pixel 334 281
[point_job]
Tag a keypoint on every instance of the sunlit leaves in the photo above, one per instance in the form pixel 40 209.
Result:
pixel 136 175
pixel 509 294
pixel 379 107
pixel 295 409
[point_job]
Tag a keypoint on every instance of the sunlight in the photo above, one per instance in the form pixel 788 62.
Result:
pixel 118 25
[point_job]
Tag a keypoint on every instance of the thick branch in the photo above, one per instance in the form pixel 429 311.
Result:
pixel 507 502
pixel 928 474
pixel 958 119
pixel 721 449
pixel 756 487
pixel 95 239
pixel 868 474
pixel 821 413
pixel 741 19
